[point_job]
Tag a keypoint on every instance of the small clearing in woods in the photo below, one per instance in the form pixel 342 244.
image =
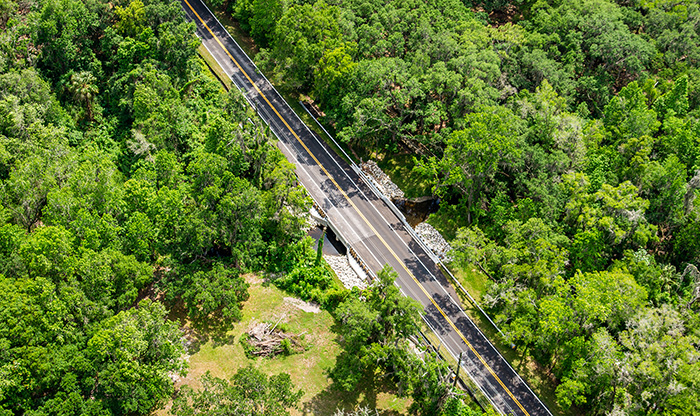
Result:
pixel 308 369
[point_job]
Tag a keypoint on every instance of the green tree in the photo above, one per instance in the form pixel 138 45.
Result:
pixel 111 279
pixel 249 392
pixel 628 115
pixel 686 247
pixel 132 19
pixel 433 392
pixel 532 253
pixel 661 281
pixel 27 103
pixel 301 36
pixel 33 178
pixel 48 252
pixel 265 15
pixel 551 126
pixel 34 358
pixel 675 101
pixel 64 30
pixel 212 297
pixel 618 213
pixel 671 27
pixel 681 138
pixel 665 186
pixel 334 71
pixel 591 38
pixel 374 331
pixel 609 298
pixel 134 354
pixel 93 209
pixel 91 183
pixel 475 155
pixel 646 369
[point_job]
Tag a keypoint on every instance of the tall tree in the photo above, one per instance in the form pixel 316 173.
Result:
pixel 475 155
pixel 375 331
pixel 249 392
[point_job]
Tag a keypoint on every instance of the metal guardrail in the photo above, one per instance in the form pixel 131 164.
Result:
pixel 370 275
pixel 478 394
pixel 370 183
pixel 377 193
pixel 473 301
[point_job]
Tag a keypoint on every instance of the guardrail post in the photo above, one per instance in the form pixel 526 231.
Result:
pixel 459 364
pixel 379 195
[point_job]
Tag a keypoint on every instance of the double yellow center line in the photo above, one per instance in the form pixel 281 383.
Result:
pixel 216 38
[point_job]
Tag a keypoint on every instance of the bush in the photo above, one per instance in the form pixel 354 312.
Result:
pixel 308 280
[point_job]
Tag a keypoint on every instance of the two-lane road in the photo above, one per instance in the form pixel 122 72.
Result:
pixel 368 224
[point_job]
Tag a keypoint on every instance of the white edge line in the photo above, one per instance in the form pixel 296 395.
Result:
pixel 387 223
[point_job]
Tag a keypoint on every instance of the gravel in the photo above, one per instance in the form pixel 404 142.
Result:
pixel 431 237
pixel 435 241
pixel 345 273
pixel 382 180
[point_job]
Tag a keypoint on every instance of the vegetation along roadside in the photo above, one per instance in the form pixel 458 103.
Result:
pixel 137 197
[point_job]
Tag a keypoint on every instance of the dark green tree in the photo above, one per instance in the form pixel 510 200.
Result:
pixel 249 392
pixel 375 331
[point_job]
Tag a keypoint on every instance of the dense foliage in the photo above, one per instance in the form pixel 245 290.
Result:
pixel 562 138
pixel 305 276
pixel 130 181
pixel 376 325
pixel 249 392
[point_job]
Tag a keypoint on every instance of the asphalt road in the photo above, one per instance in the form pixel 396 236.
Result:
pixel 368 225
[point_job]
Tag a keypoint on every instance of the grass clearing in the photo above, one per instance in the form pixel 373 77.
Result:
pixel 308 370
pixel 471 278
pixel 399 166
pixel 446 221
pixel 214 68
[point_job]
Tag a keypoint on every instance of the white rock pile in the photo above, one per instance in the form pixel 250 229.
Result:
pixel 435 241
pixel 382 180
pixel 345 273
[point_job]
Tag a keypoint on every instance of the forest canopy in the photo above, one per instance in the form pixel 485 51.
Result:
pixel 562 138
pixel 131 182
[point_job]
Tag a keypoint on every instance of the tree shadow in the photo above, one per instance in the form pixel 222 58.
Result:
pixel 364 395
pixel 200 331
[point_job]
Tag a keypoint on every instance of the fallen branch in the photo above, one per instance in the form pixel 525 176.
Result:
pixel 264 340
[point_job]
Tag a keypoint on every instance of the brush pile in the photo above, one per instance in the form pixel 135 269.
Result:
pixel 267 340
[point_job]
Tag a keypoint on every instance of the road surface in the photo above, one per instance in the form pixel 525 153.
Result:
pixel 367 224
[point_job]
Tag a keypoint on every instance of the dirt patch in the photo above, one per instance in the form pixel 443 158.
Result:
pixel 508 14
pixel 252 279
pixel 304 306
